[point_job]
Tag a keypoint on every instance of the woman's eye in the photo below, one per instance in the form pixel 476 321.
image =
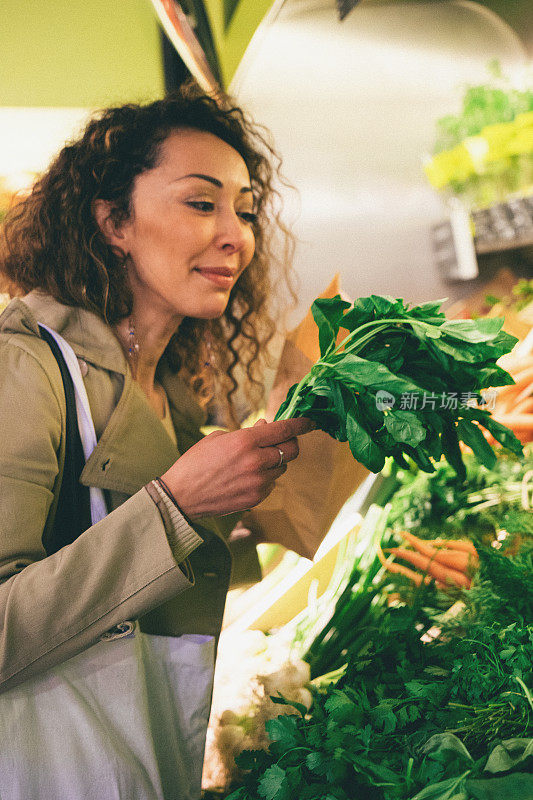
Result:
pixel 201 205
pixel 248 216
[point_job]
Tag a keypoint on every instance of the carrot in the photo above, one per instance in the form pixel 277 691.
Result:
pixel 522 374
pixel 514 365
pixel 502 408
pixel 456 559
pixel 399 569
pixel 524 406
pixel 442 573
pixel 422 545
pixel 525 393
pixel 455 544
pixel 508 389
pixel 521 380
pixel 426 545
pixel 521 421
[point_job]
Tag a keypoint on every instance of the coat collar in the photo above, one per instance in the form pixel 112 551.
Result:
pixel 134 447
pixel 88 335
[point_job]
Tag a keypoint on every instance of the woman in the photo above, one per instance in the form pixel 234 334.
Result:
pixel 144 247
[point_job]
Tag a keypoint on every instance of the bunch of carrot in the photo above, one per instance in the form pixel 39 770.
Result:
pixel 514 404
pixel 450 562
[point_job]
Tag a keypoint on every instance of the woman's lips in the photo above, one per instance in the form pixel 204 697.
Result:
pixel 220 276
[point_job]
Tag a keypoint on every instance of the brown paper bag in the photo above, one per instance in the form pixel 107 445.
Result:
pixel 308 497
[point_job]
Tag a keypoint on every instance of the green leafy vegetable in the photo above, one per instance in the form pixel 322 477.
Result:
pixel 404 382
pixel 411 715
pixel 408 716
pixel 491 103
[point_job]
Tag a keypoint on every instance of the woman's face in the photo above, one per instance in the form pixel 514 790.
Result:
pixel 190 234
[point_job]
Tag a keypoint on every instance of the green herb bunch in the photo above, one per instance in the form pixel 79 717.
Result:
pixel 393 386
pixel 402 716
pixel 370 734
pixel 522 296
pixel 433 505
pixel 491 670
pixel 482 105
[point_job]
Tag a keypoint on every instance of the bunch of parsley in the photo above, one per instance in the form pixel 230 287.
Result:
pixel 373 735
pixel 404 382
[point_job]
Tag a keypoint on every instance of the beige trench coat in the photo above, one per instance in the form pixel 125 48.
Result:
pixel 127 566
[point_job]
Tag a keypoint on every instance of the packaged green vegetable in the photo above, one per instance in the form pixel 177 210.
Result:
pixel 404 381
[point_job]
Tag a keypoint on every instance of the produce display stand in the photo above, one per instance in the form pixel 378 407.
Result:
pixel 275 620
pixel 285 592
pixel 504 226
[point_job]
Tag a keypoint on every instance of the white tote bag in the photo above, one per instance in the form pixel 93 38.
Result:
pixel 124 720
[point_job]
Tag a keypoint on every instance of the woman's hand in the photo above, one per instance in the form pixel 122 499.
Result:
pixel 227 472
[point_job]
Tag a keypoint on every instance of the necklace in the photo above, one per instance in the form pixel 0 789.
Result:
pixel 133 347
pixel 209 351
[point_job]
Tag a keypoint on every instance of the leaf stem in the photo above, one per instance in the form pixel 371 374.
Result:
pixel 409 770
pixel 383 323
pixel 526 690
pixel 294 399
pixel 322 362
pixel 494 663
pixel 287 752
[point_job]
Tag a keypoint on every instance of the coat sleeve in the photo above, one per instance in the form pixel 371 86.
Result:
pixel 52 608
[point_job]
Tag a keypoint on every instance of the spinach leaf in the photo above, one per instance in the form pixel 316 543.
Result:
pixel 473 437
pixel 483 330
pixel 405 427
pixel 405 381
pixel 357 372
pixel 328 314
pixel 362 445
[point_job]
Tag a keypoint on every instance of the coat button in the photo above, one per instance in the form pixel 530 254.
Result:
pixel 84 369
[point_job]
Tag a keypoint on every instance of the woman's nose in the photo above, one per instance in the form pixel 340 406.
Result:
pixel 233 234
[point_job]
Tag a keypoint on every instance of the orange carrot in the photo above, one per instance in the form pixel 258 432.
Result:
pixel 521 380
pixel 515 366
pixel 422 545
pixel 503 407
pixel 522 374
pixel 524 406
pixel 456 559
pixel 525 393
pixel 433 544
pixel 520 421
pixel 399 569
pixel 456 544
pixel 442 573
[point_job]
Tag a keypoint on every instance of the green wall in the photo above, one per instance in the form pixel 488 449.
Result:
pixel 90 53
pixel 71 53
pixel 233 25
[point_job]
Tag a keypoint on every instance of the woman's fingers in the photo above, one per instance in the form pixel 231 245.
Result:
pixel 280 455
pixel 233 471
pixel 276 472
pixel 278 439
pixel 272 433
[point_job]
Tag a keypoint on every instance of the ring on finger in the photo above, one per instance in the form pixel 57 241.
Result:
pixel 281 457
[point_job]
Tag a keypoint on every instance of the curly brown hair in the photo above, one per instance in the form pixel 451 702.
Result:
pixel 53 243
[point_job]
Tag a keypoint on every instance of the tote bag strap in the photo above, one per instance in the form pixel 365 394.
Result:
pixel 78 507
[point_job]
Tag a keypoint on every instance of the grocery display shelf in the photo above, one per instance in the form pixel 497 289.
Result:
pixel 462 240
pixel 504 226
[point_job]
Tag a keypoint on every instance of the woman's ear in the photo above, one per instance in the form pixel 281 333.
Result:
pixel 105 219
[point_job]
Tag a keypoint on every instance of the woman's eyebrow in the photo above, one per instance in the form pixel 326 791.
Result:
pixel 212 180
